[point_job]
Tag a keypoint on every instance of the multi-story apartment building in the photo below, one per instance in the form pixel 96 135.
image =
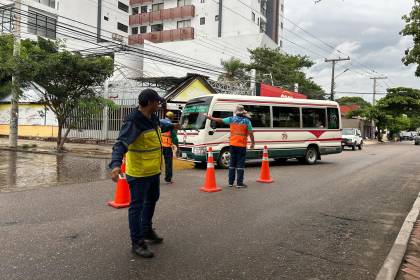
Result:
pixel 205 30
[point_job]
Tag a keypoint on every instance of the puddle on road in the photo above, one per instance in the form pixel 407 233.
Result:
pixel 22 171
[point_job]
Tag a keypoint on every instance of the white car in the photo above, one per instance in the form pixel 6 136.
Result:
pixel 351 137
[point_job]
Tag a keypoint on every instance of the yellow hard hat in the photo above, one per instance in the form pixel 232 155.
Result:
pixel 170 115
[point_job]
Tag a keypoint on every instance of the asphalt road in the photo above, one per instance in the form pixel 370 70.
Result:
pixel 335 220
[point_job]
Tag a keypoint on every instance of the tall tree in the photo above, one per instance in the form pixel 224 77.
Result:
pixel 68 80
pixel 285 70
pixel 412 28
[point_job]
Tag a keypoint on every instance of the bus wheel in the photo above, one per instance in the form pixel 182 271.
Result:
pixel 224 158
pixel 311 155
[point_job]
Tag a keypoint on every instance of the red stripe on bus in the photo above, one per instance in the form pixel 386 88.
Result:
pixel 338 140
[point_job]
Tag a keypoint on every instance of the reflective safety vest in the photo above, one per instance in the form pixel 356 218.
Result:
pixel 167 139
pixel 144 156
pixel 238 134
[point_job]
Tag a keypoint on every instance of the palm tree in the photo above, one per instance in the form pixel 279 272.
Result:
pixel 234 69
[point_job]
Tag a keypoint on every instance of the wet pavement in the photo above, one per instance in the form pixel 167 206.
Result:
pixel 335 220
pixel 22 171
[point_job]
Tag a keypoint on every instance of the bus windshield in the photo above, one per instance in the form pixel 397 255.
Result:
pixel 193 114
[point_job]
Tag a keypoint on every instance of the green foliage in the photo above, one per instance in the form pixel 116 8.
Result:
pixel 400 101
pixel 6 55
pixel 234 70
pixel 350 100
pixel 412 28
pixel 396 124
pixel 285 69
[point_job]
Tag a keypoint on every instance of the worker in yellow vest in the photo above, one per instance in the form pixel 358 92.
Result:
pixel 140 140
pixel 169 140
pixel 240 129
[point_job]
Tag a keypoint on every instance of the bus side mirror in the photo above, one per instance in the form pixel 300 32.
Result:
pixel 211 132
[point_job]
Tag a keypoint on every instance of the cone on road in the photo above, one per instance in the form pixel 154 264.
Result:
pixel 265 169
pixel 210 184
pixel 122 191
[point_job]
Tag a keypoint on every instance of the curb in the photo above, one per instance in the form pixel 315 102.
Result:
pixel 394 259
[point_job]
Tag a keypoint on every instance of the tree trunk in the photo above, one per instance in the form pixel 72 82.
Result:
pixel 63 139
pixel 60 130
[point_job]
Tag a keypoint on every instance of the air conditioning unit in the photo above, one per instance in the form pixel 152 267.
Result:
pixel 117 37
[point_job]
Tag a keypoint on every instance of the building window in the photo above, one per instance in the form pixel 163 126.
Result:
pixel 135 30
pixel 157 7
pixel 281 43
pixel 203 1
pixel 263 7
pixel 106 18
pixel 49 3
pixel 143 9
pixel 282 7
pixel 263 26
pixel 122 27
pixel 5 20
pixel 181 3
pixel 281 25
pixel 313 118
pixel 260 115
pixel 42 25
pixel 183 23
pixel 286 117
pixel 202 21
pixel 123 7
pixel 216 17
pixel 143 29
pixel 253 16
pixel 135 10
pixel 157 27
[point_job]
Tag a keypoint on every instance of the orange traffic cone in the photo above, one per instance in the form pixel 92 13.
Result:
pixel 122 192
pixel 265 169
pixel 210 184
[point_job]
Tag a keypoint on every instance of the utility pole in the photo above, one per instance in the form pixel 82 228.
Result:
pixel 374 100
pixel 374 87
pixel 334 61
pixel 14 110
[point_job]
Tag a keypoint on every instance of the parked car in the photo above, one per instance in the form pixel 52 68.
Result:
pixel 417 140
pixel 351 137
pixel 408 135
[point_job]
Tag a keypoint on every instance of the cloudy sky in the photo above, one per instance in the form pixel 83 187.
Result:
pixel 366 30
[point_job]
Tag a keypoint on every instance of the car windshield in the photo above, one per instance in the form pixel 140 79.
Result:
pixel 193 114
pixel 348 131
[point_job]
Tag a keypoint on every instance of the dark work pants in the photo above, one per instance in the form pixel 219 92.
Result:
pixel 237 164
pixel 144 195
pixel 168 156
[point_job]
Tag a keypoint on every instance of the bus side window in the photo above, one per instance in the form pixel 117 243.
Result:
pixel 260 115
pixel 313 118
pixel 333 122
pixel 286 117
pixel 221 115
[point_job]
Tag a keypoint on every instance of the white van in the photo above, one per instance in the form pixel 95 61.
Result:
pixel 291 128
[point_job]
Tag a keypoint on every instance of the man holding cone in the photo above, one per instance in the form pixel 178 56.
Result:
pixel 240 129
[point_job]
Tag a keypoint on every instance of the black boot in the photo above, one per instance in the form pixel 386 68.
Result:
pixel 153 237
pixel 141 249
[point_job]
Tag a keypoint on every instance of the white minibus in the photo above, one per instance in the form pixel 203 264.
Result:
pixel 291 128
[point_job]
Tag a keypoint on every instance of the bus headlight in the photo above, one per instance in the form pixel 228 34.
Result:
pixel 199 151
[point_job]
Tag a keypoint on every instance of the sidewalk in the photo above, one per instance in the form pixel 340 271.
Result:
pixel 410 268
pixel 100 151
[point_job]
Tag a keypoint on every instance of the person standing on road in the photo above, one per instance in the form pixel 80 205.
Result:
pixel 169 140
pixel 141 143
pixel 240 129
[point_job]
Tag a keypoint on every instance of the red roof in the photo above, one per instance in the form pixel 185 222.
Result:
pixel 271 91
pixel 345 109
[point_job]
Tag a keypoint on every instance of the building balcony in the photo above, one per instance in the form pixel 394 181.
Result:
pixel 134 2
pixel 183 12
pixel 180 34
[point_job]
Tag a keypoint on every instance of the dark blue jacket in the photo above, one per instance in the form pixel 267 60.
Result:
pixel 134 124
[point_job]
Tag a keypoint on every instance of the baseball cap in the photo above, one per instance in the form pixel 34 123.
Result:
pixel 149 95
